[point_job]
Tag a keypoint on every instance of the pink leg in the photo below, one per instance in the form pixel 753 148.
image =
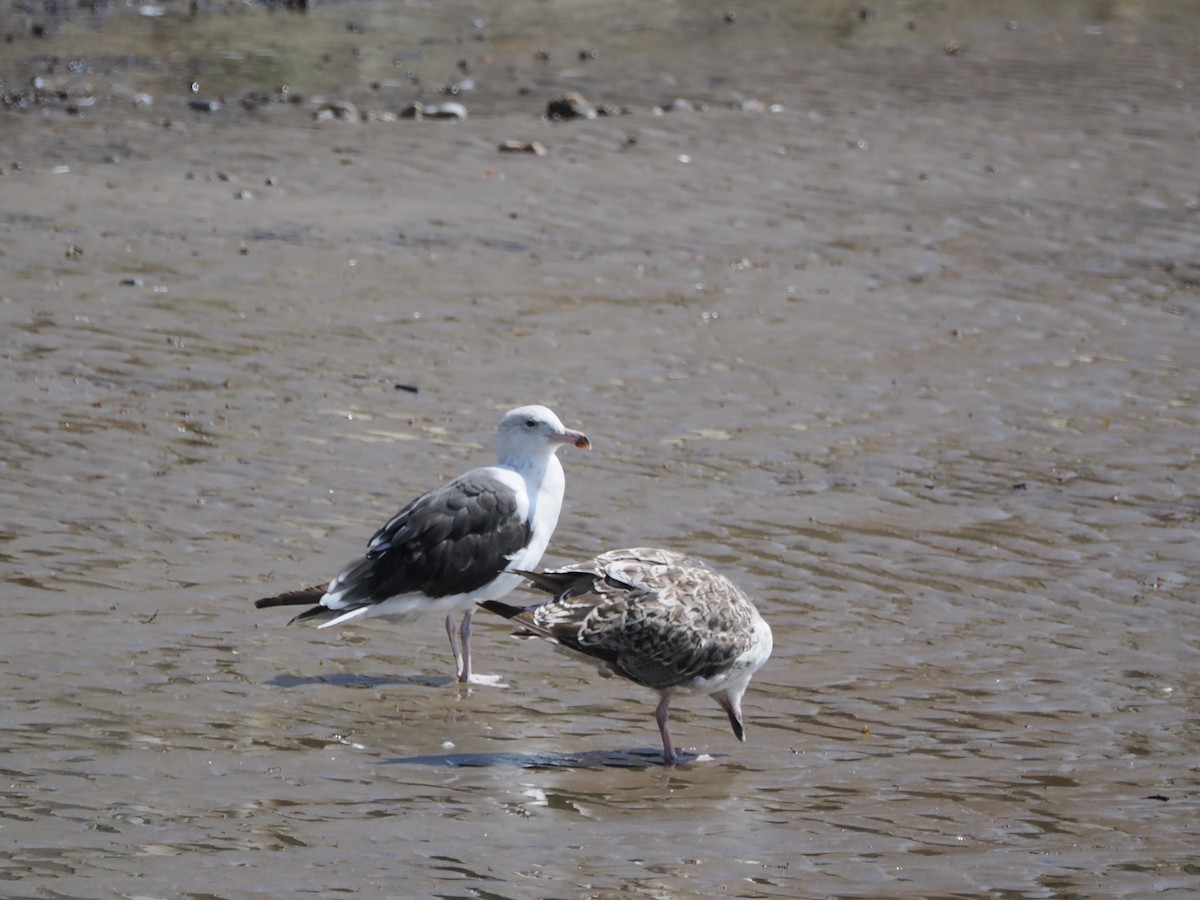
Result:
pixel 465 675
pixel 660 716
pixel 464 630
pixel 458 654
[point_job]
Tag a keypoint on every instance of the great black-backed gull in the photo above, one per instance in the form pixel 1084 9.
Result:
pixel 459 543
pixel 661 619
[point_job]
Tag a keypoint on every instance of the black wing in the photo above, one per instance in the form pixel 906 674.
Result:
pixel 453 540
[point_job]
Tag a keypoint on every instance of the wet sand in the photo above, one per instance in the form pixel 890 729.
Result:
pixel 911 357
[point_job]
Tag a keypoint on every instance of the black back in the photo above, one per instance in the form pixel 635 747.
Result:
pixel 453 540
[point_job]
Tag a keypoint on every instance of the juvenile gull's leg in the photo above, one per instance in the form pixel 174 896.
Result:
pixel 660 716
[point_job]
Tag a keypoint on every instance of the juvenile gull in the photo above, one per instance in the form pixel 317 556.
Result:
pixel 661 619
pixel 459 543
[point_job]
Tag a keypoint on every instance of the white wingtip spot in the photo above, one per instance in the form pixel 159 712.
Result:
pixel 345 617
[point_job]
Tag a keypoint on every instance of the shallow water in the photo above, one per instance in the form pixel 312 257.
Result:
pixel 912 359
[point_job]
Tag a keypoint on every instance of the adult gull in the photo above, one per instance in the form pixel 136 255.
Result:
pixel 459 543
pixel 658 618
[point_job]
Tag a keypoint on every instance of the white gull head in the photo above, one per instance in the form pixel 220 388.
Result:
pixel 530 433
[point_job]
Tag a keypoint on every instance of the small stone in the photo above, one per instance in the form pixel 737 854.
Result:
pixel 418 110
pixel 537 148
pixel 681 104
pixel 570 106
pixel 339 111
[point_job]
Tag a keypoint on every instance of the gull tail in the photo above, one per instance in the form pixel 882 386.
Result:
pixel 521 616
pixel 560 584
pixel 301 597
pixel 502 609
pixel 310 596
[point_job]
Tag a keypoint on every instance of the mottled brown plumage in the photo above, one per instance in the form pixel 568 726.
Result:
pixel 658 618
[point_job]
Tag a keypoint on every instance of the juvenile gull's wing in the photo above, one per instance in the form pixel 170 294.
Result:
pixel 658 618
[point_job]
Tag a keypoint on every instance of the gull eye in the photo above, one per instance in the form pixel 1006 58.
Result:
pixel 531 423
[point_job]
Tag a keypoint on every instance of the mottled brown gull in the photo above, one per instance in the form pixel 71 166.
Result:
pixel 659 618
pixel 459 543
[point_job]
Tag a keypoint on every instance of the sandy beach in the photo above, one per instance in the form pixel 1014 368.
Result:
pixel 889 311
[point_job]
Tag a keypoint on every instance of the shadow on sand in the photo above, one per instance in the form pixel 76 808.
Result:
pixel 596 759
pixel 359 681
